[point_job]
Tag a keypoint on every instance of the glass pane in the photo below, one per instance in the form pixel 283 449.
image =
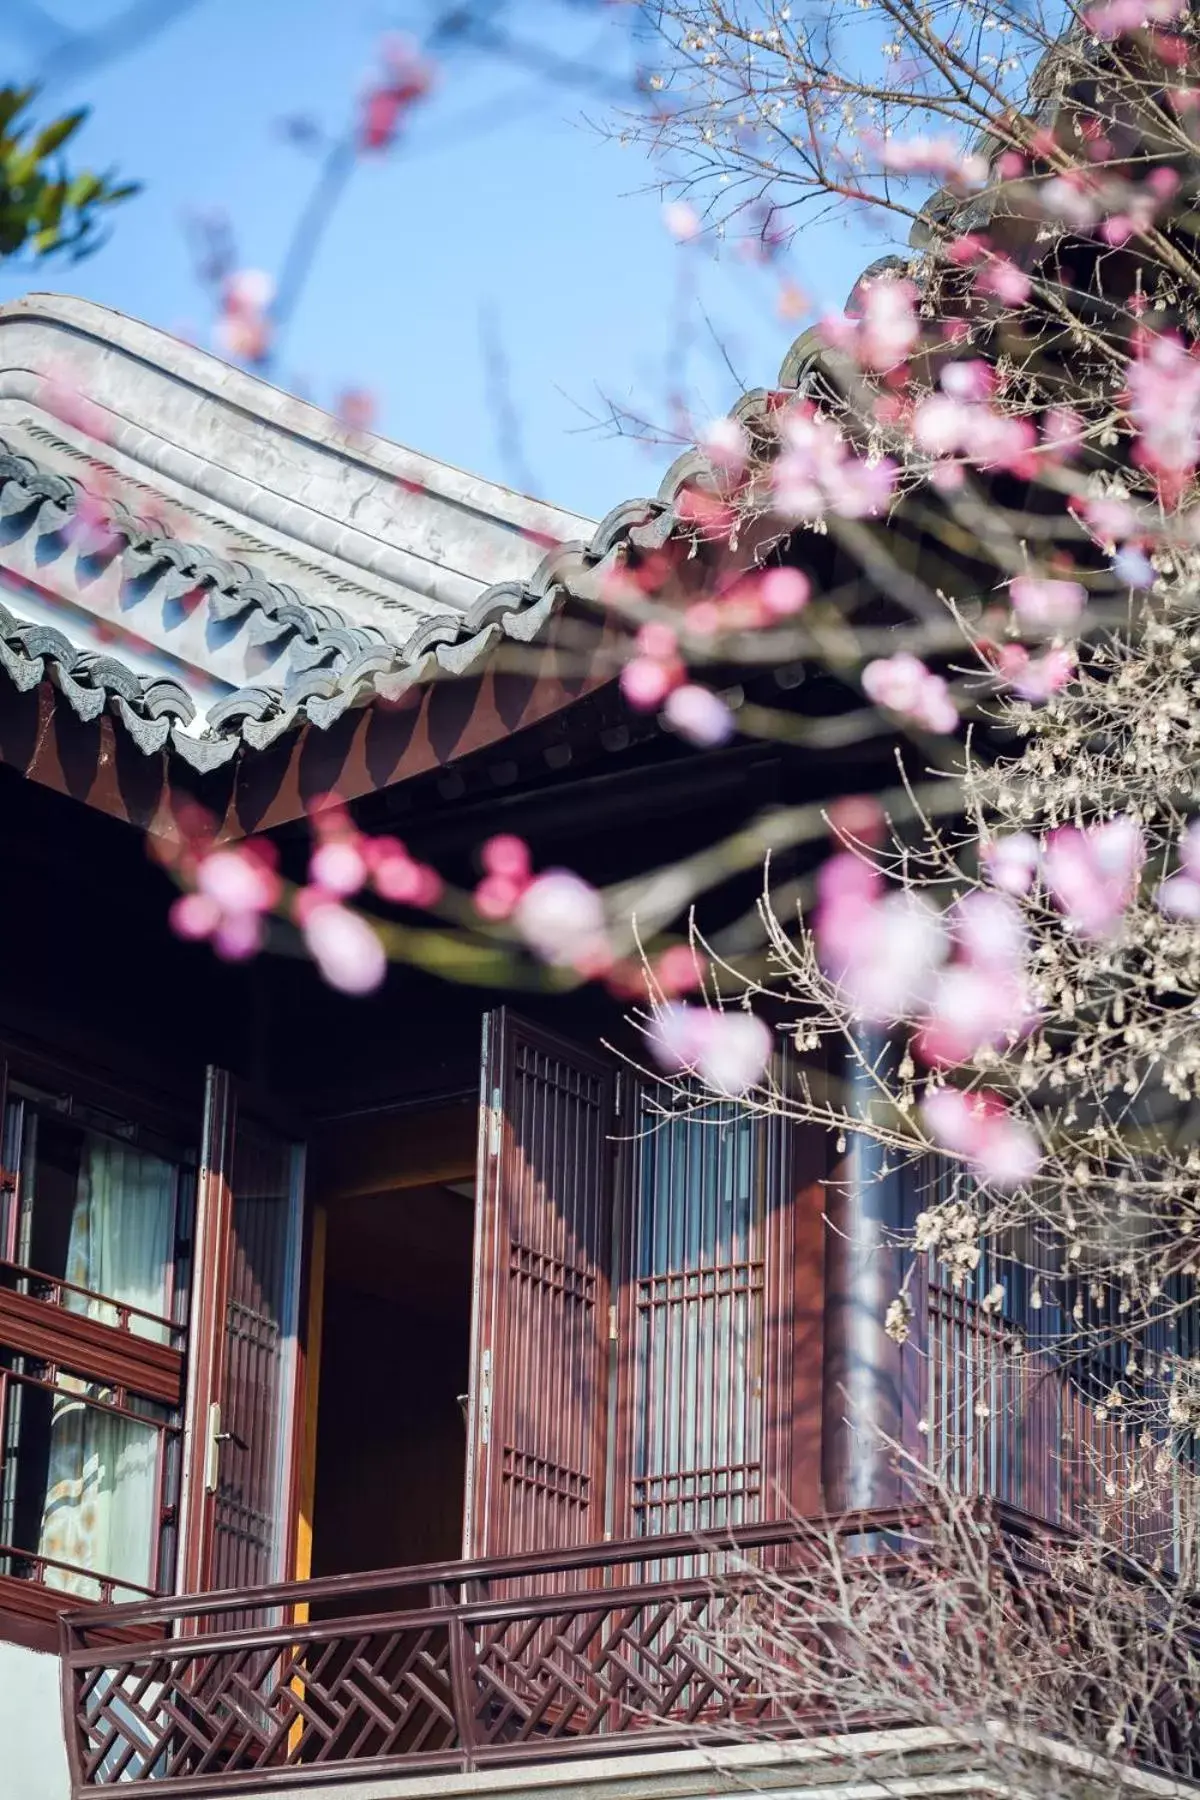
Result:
pixel 100 1214
pixel 698 1293
pixel 80 1485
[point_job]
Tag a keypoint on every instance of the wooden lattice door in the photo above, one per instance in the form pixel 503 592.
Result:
pixel 541 1327
pixel 238 1463
pixel 708 1272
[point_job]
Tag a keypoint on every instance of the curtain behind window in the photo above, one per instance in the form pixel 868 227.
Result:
pixel 102 1477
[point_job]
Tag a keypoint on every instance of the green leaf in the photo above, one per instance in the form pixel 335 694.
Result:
pixel 13 101
pixel 52 137
pixel 83 188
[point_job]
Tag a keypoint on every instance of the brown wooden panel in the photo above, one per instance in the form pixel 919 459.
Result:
pixel 539 1387
pixel 708 1320
pixel 238 1460
pixel 88 1347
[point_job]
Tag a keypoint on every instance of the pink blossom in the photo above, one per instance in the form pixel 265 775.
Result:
pixel 882 330
pixel 677 970
pixel 496 897
pixel 883 954
pixel 561 918
pixel 243 329
pixel 887 330
pixel 1189 850
pixel 941 425
pixel 1045 604
pixel 1035 678
pixel 407 79
pixel 817 472
pixel 783 592
pixel 971 1007
pixel 1116 17
pixel 940 158
pixel 647 680
pixel 338 866
pixel 1004 280
pixel 1062 430
pixel 1110 520
pixel 989 931
pixel 238 880
pixel 728 1051
pixel 903 685
pixel 726 444
pixel 1065 198
pixel 1092 874
pixel 971 379
pixel 682 221
pixel 194 916
pixel 699 715
pixel 402 880
pixel 1011 862
pixel 981 1127
pixel 507 856
pixel 345 948
pixel 1164 408
pixel 1178 897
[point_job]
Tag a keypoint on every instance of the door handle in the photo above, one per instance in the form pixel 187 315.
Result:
pixel 217 1437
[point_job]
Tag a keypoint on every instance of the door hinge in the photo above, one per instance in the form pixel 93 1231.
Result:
pixel 495 1124
pixel 485 1396
pixel 618 1088
pixel 612 1324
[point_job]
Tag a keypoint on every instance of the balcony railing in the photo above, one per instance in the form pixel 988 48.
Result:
pixel 589 1652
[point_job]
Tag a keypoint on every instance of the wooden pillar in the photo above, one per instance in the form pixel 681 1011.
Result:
pixel 862 1405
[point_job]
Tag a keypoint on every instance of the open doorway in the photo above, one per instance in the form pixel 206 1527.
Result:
pixel 390 1441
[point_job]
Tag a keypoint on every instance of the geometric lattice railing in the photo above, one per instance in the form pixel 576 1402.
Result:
pixel 520 1658
pixel 613 1647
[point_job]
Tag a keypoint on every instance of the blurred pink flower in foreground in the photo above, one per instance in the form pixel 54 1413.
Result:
pixel 682 221
pixel 982 998
pixel 1164 407
pixel 939 157
pixel 561 918
pixel 1011 862
pixel 699 715
pixel 981 1127
pixel 1034 678
pixel 818 473
pixel 1044 604
pixel 345 948
pixel 235 888
pixel 243 327
pixel 726 444
pixel 1092 874
pixel 1178 896
pixel 508 870
pixel 883 330
pixel 904 685
pixel 882 949
pixel 728 1051
pixel 1117 17
pixel 406 80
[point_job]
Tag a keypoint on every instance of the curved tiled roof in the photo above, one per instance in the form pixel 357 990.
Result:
pixel 363 613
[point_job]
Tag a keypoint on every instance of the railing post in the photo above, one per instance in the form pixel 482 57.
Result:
pixel 67 1689
pixel 462 1661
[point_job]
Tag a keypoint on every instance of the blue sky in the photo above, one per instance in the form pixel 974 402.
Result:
pixel 502 216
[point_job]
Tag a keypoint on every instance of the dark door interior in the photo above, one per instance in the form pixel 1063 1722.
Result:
pixel 391 1436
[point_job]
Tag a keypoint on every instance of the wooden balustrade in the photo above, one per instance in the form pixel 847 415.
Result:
pixel 458 1666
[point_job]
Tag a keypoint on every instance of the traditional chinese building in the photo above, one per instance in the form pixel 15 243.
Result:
pixel 404 1325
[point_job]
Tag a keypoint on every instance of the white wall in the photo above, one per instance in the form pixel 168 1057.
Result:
pixel 33 1759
